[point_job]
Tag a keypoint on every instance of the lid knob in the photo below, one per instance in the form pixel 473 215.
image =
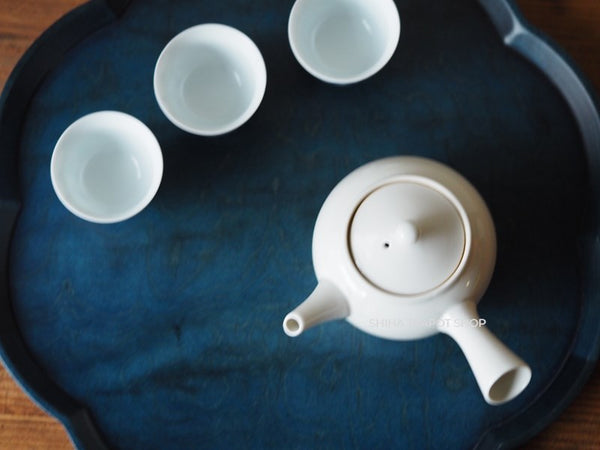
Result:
pixel 406 233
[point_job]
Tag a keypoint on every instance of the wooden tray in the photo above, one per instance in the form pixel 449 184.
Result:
pixel 165 331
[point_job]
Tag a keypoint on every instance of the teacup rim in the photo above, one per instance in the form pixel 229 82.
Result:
pixel 390 49
pixel 100 117
pixel 257 95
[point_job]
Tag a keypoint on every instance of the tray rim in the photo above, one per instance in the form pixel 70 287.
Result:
pixel 46 52
pixel 43 55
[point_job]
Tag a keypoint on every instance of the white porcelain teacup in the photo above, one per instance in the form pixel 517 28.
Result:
pixel 343 41
pixel 106 167
pixel 210 79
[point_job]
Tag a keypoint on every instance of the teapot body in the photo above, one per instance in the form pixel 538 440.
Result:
pixel 402 315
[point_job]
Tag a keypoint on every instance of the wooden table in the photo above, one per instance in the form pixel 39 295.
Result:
pixel 574 24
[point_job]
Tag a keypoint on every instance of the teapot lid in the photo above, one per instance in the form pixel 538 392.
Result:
pixel 407 237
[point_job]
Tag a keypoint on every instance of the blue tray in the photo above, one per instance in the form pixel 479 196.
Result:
pixel 165 331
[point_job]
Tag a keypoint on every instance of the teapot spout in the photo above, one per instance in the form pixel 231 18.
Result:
pixel 325 303
pixel 500 374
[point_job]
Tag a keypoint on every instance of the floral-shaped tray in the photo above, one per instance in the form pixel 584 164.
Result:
pixel 165 331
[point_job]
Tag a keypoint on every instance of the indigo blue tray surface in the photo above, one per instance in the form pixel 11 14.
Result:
pixel 164 331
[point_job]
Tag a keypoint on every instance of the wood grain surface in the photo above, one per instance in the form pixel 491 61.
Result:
pixel 574 24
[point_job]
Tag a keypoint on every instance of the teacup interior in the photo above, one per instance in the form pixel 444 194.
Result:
pixel 342 39
pixel 208 79
pixel 208 90
pixel 106 171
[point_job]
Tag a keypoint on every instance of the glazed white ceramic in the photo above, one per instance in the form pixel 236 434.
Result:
pixel 210 79
pixel 106 167
pixel 404 248
pixel 343 41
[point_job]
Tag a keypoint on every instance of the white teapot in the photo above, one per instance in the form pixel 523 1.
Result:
pixel 403 248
